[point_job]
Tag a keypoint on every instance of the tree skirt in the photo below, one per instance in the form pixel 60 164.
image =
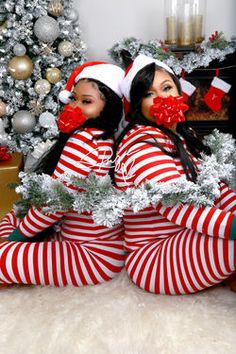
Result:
pixel 117 318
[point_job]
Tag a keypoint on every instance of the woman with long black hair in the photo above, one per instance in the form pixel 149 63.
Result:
pixel 78 252
pixel 182 248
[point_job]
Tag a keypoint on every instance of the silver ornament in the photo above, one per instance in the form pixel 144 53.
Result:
pixel 72 15
pixel 47 119
pixel 19 49
pixel 46 29
pixel 65 48
pixel 42 87
pixel 23 122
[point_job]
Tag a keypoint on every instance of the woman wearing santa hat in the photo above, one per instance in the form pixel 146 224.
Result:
pixel 183 247
pixel 82 252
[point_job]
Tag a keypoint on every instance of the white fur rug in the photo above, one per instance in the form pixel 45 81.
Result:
pixel 117 318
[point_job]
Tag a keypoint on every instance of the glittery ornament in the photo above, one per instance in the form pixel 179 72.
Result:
pixel 53 75
pixel 42 87
pixel 47 49
pixel 35 107
pixel 3 109
pixel 20 68
pixel 19 49
pixel 55 8
pixel 65 48
pixel 23 122
pixel 47 119
pixel 46 29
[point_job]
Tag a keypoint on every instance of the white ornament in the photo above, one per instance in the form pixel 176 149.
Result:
pixel 23 122
pixel 47 119
pixel 46 29
pixel 42 87
pixel 65 48
pixel 19 49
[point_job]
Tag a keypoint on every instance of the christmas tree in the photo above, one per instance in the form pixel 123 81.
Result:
pixel 40 45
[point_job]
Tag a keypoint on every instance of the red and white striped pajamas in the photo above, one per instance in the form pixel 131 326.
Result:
pixel 172 250
pixel 79 252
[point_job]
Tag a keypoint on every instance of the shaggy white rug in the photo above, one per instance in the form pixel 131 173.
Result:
pixel 117 318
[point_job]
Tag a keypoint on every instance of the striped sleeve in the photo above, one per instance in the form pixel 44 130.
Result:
pixel 207 220
pixel 78 157
pixel 36 221
pixel 144 162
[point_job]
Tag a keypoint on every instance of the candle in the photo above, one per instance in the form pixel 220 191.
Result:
pixel 171 27
pixel 197 28
pixel 185 26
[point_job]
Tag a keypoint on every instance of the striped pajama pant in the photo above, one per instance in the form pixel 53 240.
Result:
pixel 186 262
pixel 59 262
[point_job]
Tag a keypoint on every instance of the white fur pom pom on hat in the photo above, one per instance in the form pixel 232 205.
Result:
pixel 64 96
pixel 109 74
pixel 139 63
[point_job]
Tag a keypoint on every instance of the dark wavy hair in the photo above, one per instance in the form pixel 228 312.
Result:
pixel 107 121
pixel 140 86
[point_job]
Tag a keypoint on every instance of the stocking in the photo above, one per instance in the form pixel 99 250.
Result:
pixel 213 97
pixel 187 88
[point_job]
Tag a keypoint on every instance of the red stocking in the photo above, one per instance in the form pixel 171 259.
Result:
pixel 187 88
pixel 213 97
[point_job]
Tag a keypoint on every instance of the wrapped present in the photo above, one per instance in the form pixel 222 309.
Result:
pixel 9 171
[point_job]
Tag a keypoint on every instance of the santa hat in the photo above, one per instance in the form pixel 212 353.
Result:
pixel 139 63
pixel 109 74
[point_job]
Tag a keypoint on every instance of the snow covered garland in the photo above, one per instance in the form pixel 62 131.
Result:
pixel 107 204
pixel 215 48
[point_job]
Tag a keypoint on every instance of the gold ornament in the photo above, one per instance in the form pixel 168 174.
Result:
pixel 42 87
pixel 53 75
pixel 3 109
pixel 55 8
pixel 20 67
pixel 65 48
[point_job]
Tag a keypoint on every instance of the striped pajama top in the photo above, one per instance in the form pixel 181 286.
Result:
pixel 136 162
pixel 81 155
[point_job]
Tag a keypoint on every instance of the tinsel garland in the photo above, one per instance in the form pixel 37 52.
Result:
pixel 207 51
pixel 99 197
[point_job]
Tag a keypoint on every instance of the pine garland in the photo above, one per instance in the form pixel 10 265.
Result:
pixel 99 197
pixel 215 48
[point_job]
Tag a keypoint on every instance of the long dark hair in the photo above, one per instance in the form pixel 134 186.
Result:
pixel 107 121
pixel 140 85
